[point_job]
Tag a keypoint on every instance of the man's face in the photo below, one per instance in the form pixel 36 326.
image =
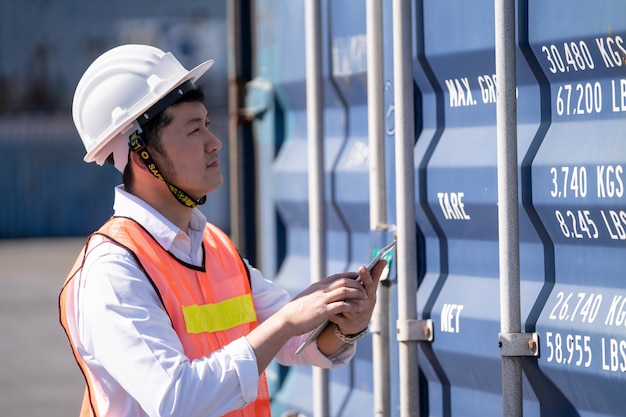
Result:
pixel 189 159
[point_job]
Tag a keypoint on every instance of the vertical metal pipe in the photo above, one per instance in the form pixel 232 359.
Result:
pixel 508 209
pixel 405 202
pixel 378 201
pixel 315 137
pixel 234 104
pixel 378 197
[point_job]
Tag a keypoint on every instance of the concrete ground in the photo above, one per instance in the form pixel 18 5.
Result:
pixel 38 374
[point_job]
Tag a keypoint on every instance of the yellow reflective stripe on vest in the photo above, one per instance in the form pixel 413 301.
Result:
pixel 221 316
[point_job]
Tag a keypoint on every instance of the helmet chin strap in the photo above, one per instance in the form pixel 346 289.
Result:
pixel 138 146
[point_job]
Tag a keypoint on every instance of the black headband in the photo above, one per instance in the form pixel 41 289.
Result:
pixel 169 99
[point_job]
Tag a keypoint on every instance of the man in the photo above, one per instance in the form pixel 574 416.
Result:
pixel 163 315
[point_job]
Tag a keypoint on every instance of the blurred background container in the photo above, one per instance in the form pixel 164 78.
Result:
pixel 52 197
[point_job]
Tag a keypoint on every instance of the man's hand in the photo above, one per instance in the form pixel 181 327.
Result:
pixel 339 295
pixel 354 320
pixel 339 298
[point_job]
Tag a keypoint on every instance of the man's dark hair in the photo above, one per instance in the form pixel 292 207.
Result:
pixel 152 130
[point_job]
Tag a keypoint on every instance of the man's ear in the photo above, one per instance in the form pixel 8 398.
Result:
pixel 138 165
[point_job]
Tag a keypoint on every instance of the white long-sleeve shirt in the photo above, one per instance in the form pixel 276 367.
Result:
pixel 126 339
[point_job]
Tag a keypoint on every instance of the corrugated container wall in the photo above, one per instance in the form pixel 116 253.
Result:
pixel 571 107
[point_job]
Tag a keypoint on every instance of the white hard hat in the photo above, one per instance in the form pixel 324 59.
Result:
pixel 118 88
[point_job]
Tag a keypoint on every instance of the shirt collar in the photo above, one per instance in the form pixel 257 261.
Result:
pixel 167 234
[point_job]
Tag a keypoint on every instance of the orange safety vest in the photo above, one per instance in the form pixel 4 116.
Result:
pixel 209 307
